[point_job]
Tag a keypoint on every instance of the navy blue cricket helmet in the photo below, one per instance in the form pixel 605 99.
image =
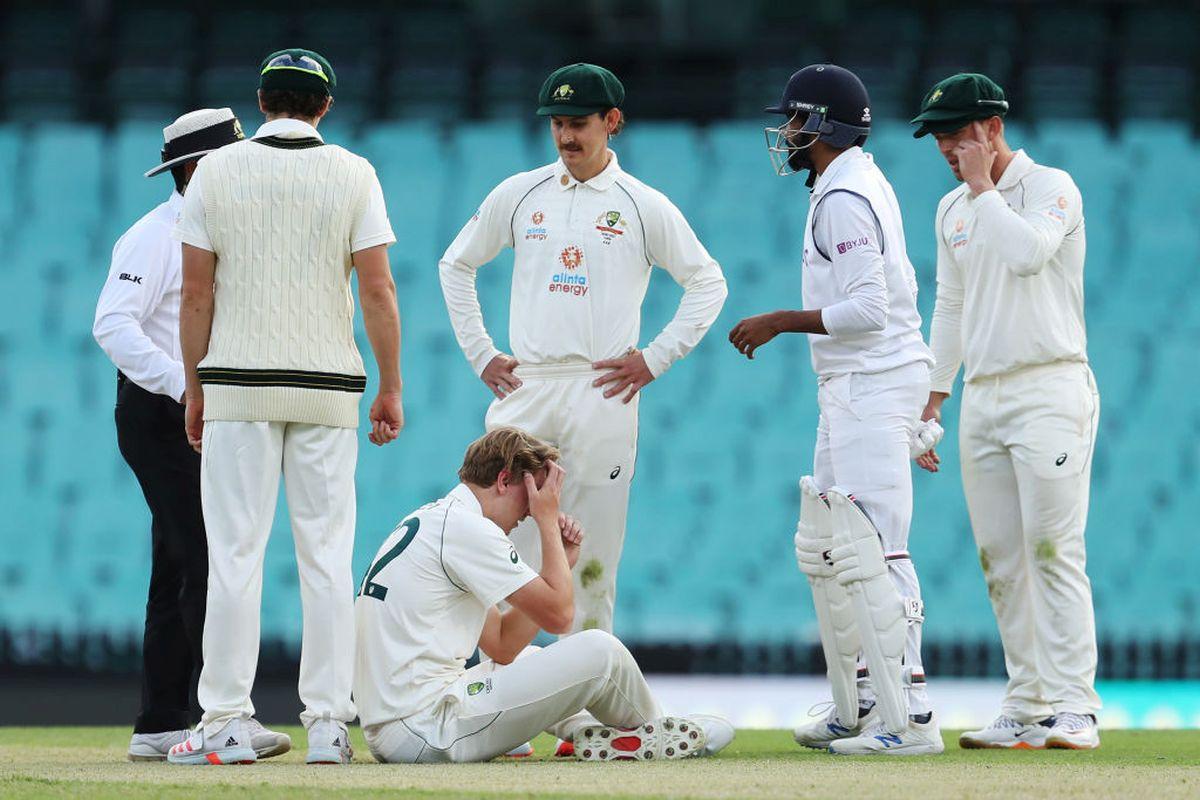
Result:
pixel 834 108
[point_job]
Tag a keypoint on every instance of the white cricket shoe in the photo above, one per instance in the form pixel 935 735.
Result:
pixel 229 745
pixel 154 746
pixel 520 751
pixel 668 738
pixel 826 727
pixel 328 742
pixel 1074 732
pixel 266 742
pixel 1007 733
pixel 918 739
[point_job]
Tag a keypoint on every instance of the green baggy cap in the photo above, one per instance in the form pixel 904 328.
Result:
pixel 957 101
pixel 297 70
pixel 578 90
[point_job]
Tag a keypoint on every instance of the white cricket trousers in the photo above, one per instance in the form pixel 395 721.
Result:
pixel 863 433
pixel 598 440
pixel 240 467
pixel 491 709
pixel 1026 440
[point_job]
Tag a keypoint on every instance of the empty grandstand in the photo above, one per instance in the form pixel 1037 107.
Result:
pixel 440 99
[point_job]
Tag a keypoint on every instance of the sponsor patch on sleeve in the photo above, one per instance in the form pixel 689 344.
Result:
pixel 847 246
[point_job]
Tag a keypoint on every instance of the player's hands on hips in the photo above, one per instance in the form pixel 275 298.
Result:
pixel 387 417
pixel 498 376
pixel 933 411
pixel 628 374
pixel 975 158
pixel 193 419
pixel 572 537
pixel 752 333
pixel 543 502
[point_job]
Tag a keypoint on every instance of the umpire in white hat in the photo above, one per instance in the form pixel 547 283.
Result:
pixel 137 325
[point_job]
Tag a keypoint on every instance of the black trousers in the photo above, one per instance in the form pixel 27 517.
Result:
pixel 152 441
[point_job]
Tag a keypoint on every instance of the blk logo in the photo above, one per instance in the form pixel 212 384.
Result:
pixel 1062 459
pixel 612 476
pixel 125 276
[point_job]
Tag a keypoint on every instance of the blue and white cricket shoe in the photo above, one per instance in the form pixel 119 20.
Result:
pixel 825 727
pixel 918 739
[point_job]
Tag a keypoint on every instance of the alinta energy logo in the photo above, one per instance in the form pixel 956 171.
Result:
pixel 570 282
pixel 536 232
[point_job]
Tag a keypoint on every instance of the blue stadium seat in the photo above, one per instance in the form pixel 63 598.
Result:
pixel 723 440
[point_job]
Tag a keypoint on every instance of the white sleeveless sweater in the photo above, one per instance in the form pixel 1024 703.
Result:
pixel 279 214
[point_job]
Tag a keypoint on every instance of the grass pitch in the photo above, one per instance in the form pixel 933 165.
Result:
pixel 90 762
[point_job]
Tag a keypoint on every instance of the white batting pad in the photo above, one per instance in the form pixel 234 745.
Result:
pixel 858 563
pixel 835 614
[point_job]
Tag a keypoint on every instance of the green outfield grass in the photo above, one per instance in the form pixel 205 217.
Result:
pixel 90 763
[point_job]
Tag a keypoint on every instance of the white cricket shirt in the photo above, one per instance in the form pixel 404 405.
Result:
pixel 137 316
pixel 422 605
pixel 856 271
pixel 1010 275
pixel 584 252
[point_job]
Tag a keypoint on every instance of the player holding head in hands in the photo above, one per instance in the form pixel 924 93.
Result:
pixel 872 366
pixel 1010 311
pixel 429 598
pixel 272 228
pixel 585 235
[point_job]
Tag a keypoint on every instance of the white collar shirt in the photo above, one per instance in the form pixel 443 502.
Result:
pixel 1010 275
pixel 137 315
pixel 584 251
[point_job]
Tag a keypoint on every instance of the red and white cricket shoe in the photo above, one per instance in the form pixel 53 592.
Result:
pixel 668 738
pixel 229 745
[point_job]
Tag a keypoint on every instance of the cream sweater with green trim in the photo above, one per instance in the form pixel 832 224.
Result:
pixel 279 214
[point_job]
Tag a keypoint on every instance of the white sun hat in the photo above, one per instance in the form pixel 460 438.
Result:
pixel 195 134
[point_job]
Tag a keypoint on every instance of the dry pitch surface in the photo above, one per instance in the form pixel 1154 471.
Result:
pixel 90 762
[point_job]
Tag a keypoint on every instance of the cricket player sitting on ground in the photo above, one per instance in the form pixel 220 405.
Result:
pixel 585 234
pixel 429 598
pixel 873 378
pixel 1010 310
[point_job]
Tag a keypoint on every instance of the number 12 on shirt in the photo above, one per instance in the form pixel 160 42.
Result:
pixel 379 591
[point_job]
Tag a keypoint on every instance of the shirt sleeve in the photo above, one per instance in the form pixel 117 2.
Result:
pixel 1025 241
pixel 192 225
pixel 672 245
pixel 846 230
pixel 945 335
pixel 373 227
pixel 480 240
pixel 134 288
pixel 480 559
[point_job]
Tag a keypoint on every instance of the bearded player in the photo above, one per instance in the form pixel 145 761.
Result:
pixel 872 367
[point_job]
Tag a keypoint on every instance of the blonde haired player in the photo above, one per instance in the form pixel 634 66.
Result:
pixel 1011 245
pixel 429 597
